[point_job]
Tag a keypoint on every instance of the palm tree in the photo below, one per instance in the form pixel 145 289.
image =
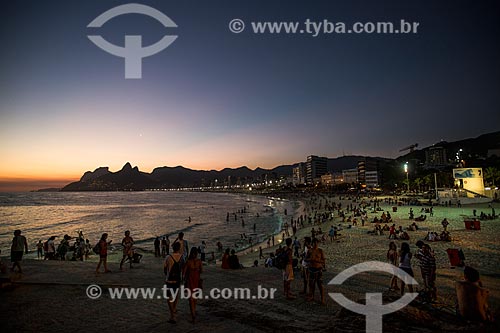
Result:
pixel 418 182
pixel 492 174
pixel 429 181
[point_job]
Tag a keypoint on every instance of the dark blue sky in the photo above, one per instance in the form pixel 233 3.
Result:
pixel 217 99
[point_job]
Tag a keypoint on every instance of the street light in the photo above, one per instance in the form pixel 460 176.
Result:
pixel 407 179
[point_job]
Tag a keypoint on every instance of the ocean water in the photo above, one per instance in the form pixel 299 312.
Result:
pixel 146 214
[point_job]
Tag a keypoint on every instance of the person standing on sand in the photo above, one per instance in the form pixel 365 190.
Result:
pixel 167 242
pixel 103 253
pixel 157 246
pixel 288 271
pixel 392 257
pixel 127 243
pixel 316 266
pixel 427 262
pixel 173 277
pixel 50 252
pixel 164 247
pixel 39 249
pixel 192 272
pixel 296 247
pixel 225 259
pixel 203 248
pixel 19 244
pixel 184 246
pixel 305 264
pixel 405 264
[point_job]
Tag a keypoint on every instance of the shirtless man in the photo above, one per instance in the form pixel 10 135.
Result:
pixel 472 298
pixel 127 243
pixel 316 260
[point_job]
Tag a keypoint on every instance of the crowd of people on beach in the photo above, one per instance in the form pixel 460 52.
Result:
pixel 297 259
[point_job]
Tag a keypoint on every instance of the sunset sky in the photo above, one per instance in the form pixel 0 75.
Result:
pixel 216 99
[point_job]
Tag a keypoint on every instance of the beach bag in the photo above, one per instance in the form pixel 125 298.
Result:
pixel 281 260
pixel 174 275
pixel 97 248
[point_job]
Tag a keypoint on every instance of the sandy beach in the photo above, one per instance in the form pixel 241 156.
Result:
pixel 51 295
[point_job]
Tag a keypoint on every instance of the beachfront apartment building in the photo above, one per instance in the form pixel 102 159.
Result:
pixel 316 167
pixel 299 174
pixel 368 172
pixel 350 176
pixel 435 157
pixel 332 179
pixel 372 179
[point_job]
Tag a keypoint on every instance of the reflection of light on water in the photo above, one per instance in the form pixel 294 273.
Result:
pixel 145 214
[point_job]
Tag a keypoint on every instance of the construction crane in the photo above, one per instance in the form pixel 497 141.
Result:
pixel 411 148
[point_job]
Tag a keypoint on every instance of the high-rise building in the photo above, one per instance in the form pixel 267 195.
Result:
pixel 315 167
pixel 299 174
pixel 435 157
pixel 350 176
pixel 367 168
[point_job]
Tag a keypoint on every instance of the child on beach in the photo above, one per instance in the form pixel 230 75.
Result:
pixel 103 253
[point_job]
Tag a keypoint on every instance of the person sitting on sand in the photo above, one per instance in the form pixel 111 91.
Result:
pixel 404 235
pixel 316 260
pixel 103 253
pixel 472 298
pixel 445 236
pixel 234 262
pixel 225 260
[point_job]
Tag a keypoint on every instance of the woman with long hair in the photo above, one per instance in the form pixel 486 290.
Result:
pixel 405 264
pixel 192 272
pixel 392 257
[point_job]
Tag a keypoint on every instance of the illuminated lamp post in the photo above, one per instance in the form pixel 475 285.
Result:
pixel 407 178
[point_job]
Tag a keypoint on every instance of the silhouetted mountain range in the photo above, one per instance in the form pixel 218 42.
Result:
pixel 130 178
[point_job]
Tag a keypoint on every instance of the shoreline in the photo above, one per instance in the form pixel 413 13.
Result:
pixel 355 245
